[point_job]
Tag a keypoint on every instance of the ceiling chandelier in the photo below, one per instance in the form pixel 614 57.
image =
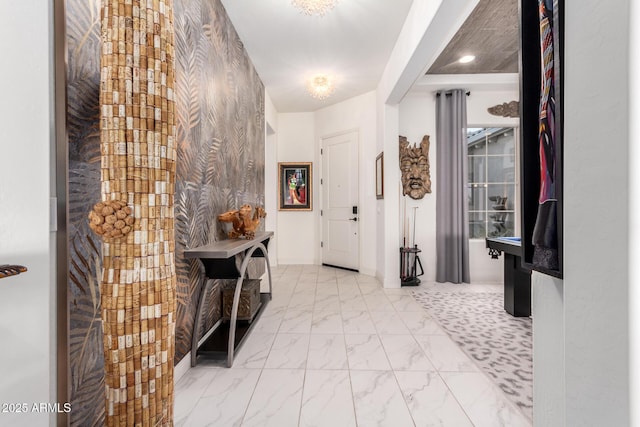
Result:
pixel 314 7
pixel 320 86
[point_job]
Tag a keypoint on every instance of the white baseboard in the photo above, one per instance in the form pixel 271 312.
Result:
pixel 296 261
pixel 391 283
pixel 181 368
pixel 368 272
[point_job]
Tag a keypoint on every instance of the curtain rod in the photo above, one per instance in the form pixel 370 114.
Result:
pixel 449 93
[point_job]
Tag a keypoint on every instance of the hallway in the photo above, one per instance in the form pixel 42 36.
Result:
pixel 334 348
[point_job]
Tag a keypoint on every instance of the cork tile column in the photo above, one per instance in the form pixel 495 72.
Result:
pixel 135 216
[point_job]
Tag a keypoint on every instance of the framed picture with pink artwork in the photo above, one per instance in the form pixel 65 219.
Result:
pixel 295 186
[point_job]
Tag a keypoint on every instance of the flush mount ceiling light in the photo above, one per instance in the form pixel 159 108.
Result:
pixel 320 86
pixel 314 7
pixel 466 59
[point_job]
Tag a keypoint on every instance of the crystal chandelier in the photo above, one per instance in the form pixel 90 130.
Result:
pixel 320 86
pixel 314 7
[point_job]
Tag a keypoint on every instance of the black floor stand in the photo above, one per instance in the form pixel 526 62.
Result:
pixel 409 263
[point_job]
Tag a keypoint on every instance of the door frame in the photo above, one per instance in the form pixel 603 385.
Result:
pixel 60 390
pixel 320 178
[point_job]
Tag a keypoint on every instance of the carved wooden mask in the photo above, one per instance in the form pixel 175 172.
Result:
pixel 414 165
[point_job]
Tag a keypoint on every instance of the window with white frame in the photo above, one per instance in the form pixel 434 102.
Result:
pixel 492 182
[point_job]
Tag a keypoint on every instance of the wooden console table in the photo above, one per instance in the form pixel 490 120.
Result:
pixel 219 260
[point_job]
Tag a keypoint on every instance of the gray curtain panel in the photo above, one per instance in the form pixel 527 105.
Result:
pixel 452 214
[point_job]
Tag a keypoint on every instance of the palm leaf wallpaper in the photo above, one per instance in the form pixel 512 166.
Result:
pixel 220 166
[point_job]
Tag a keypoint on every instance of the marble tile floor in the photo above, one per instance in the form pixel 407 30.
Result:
pixel 334 348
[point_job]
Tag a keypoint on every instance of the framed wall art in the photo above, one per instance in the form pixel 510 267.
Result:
pixel 541 126
pixel 380 176
pixel 295 186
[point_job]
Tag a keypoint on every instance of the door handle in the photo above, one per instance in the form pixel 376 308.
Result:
pixel 355 218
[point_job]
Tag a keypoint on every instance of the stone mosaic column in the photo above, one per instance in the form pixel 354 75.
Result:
pixel 137 127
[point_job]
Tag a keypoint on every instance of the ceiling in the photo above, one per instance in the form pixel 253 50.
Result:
pixel 353 43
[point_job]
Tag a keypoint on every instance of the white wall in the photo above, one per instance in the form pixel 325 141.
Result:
pixel 298 139
pixel 357 113
pixel 418 118
pixel 419 18
pixel 27 312
pixel 427 30
pixel 298 238
pixel 271 175
pixel 429 27
pixel 593 298
pixel 634 218
pixel 548 350
pixel 387 208
pixel 596 150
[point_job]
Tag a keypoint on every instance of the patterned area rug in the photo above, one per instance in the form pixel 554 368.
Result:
pixel 500 344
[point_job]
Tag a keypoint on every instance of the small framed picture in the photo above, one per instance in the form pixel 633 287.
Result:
pixel 380 176
pixel 295 186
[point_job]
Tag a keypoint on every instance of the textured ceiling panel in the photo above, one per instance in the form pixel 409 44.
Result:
pixel 491 34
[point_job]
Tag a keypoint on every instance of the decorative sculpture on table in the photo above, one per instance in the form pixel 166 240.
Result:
pixel 414 165
pixel 243 223
pixel 138 166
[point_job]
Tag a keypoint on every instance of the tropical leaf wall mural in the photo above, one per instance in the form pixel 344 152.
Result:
pixel 220 166
pixel 220 108
pixel 86 362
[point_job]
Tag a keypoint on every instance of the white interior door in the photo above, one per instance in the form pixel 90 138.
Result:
pixel 340 210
